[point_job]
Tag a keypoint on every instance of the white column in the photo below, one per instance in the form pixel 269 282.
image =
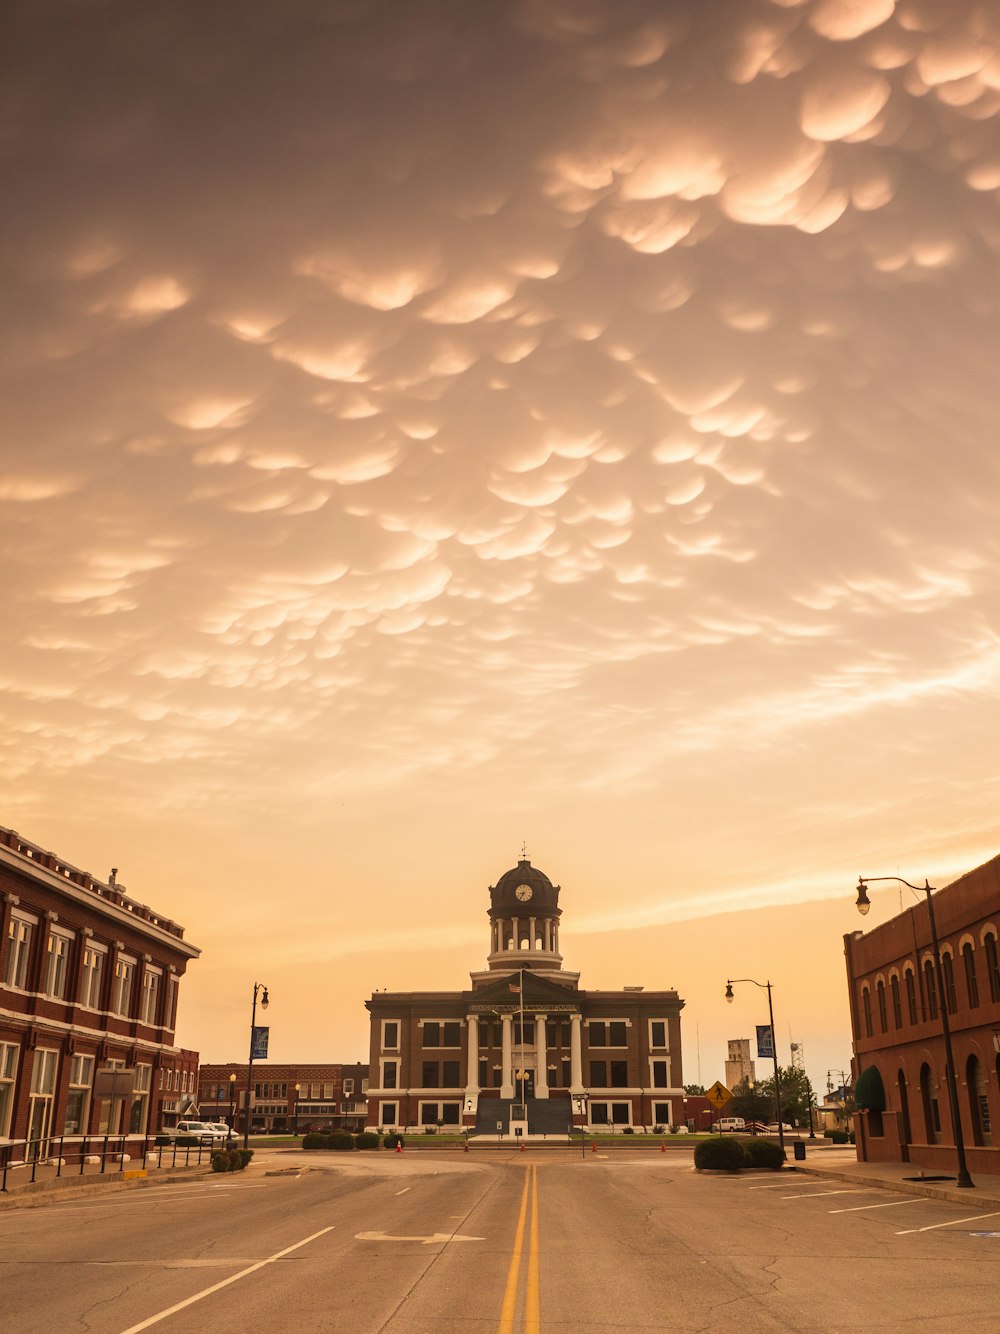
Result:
pixel 575 1054
pixel 531 933
pixel 507 1074
pixel 472 1067
pixel 541 1069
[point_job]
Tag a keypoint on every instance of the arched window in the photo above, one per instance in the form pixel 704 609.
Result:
pixel 883 1021
pixel 948 972
pixel 932 1117
pixel 897 1006
pixel 931 985
pixel 979 1103
pixel 971 984
pixel 866 1001
pixel 992 966
pixel 911 996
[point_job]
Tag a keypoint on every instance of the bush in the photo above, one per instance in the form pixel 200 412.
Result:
pixel 392 1138
pixel 220 1161
pixel 628 1130
pixel 340 1139
pixel 839 1136
pixel 230 1160
pixel 659 1130
pixel 366 1140
pixel 314 1140
pixel 724 1154
pixel 763 1153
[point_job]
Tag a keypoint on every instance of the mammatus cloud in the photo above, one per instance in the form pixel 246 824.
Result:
pixel 545 394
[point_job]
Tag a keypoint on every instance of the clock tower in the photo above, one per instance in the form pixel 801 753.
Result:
pixel 524 926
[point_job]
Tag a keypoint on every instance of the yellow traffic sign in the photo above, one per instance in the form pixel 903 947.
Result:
pixel 718 1095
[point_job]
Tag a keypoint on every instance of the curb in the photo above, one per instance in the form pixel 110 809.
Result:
pixel 47 1192
pixel 927 1189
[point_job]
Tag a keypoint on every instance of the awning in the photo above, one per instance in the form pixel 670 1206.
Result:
pixel 869 1091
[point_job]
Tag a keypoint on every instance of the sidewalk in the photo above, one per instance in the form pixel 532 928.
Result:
pixel 70 1181
pixel 840 1165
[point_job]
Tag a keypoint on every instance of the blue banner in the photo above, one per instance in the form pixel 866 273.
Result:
pixel 765 1041
pixel 258 1044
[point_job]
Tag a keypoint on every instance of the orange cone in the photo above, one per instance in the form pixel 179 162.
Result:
pixel 399 1146
pixel 593 1146
pixel 523 1146
pixel 663 1148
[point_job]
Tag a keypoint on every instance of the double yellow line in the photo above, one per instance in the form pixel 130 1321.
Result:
pixel 529 1205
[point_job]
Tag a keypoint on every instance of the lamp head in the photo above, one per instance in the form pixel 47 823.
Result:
pixel 729 993
pixel 861 903
pixel 264 1000
pixel 232 1079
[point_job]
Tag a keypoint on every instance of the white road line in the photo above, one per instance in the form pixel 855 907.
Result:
pixel 856 1209
pixel 931 1227
pixel 851 1190
pixel 782 1186
pixel 403 1191
pixel 233 1278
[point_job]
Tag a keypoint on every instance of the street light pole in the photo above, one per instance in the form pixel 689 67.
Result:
pixel 862 904
pixel 765 986
pixel 232 1103
pixel 258 989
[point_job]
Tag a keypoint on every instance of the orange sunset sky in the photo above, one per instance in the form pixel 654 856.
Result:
pixel 432 426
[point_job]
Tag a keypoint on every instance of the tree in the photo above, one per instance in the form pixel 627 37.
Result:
pixel 695 1090
pixel 795 1092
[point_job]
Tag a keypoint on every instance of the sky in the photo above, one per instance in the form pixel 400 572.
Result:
pixel 434 427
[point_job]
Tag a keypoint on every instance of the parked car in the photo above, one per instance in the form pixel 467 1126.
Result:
pixel 773 1128
pixel 729 1124
pixel 202 1130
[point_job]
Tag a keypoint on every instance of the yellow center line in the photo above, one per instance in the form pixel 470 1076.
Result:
pixel 531 1317
pixel 510 1292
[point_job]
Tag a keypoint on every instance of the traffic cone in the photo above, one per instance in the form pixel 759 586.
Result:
pixel 523 1146
pixel 399 1146
pixel 663 1148
pixel 593 1146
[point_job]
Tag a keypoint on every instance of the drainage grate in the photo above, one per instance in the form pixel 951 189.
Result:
pixel 923 1178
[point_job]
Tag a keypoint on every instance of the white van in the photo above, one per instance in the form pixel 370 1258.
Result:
pixel 730 1123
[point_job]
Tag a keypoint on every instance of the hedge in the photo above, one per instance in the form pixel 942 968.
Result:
pixel 762 1153
pixel 724 1154
pixel 230 1160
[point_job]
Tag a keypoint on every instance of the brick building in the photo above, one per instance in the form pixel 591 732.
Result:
pixel 524 1046
pixel 899 1062
pixel 286 1098
pixel 89 980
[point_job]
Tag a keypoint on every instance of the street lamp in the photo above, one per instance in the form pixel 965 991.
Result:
pixel 232 1102
pixel 259 989
pixel 765 986
pixel 863 906
pixel 581 1106
pixel 298 1090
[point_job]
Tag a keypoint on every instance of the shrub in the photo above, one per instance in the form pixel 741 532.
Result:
pixel 724 1154
pixel 244 1156
pixel 762 1153
pixel 839 1136
pixel 392 1138
pixel 340 1139
pixel 221 1161
pixel 628 1130
pixel 430 1130
pixel 659 1130
pixel 366 1140
pixel 315 1140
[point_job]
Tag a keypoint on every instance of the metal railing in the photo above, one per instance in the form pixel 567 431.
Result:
pixel 73 1154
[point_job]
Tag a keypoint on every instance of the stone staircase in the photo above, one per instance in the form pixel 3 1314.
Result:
pixel 546 1116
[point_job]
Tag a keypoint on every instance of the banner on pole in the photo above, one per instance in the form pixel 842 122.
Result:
pixel 258 1044
pixel 765 1041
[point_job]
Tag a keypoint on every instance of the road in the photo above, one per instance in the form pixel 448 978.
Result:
pixel 422 1242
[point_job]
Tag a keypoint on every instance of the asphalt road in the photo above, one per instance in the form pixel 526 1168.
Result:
pixel 416 1243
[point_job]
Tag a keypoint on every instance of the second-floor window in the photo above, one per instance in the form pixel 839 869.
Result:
pixel 91 977
pixel 911 997
pixel 897 1005
pixel 19 934
pixel 150 995
pixel 971 982
pixel 56 960
pixel 121 990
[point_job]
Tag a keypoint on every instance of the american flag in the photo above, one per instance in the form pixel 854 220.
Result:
pixel 514 986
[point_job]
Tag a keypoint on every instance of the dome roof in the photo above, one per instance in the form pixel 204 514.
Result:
pixel 525 874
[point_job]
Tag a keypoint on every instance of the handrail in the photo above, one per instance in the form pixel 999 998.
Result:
pixel 98 1151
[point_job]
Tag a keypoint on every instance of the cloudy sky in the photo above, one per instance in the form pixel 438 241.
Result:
pixel 429 426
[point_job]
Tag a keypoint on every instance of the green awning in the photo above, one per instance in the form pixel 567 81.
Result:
pixel 869 1091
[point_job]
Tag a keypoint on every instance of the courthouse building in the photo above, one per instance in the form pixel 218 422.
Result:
pixel 524 1050
pixel 88 980
pixel 900 1088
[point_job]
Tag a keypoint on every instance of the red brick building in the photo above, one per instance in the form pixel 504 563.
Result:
pixel 896 1020
pixel 286 1098
pixel 89 980
pixel 524 1048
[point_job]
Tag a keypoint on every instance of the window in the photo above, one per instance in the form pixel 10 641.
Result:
pixel 620 1112
pixel 608 1033
pixel 618 1033
pixel 599 1113
pixel 971 983
pixel 348 1086
pixel 41 1099
pixel 883 1021
pixel 948 971
pixel 897 1004
pixel 992 966
pixel 91 977
pixel 121 988
pixel 429 1075
pixel 866 1002
pixel 446 1112
pixel 170 1018
pixel 81 1080
pixel 911 996
pixel 451 1035
pixel 597 1035
pixel 567 1074
pixel 930 983
pixel 139 1106
pixel 610 1113
pixel 56 960
pixel 598 1075
pixel 389 1112
pixel 390 1035
pixel 619 1074
pixel 484 1073
pixel 450 1075
pixel 557 1033
pixel 432 1034
pixel 150 995
pixel 8 1073
pixel 661 1113
pixel 524 1032
pixel 390 1073
pixel 660 1075
pixel 19 932
pixel 657 1033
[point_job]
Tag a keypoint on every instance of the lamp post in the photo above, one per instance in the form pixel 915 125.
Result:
pixel 765 986
pixel 581 1106
pixel 863 906
pixel 298 1090
pixel 259 989
pixel 232 1102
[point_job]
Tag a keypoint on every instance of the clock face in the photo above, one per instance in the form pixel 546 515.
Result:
pixel 523 892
